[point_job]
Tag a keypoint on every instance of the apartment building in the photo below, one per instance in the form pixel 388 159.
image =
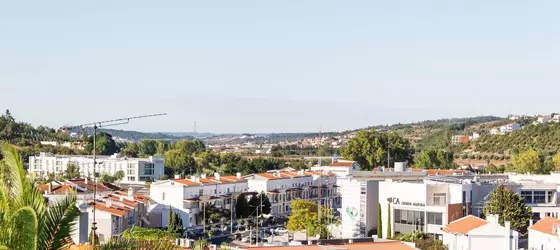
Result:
pixel 429 204
pixel 115 213
pixel 187 197
pixel 283 187
pixel 545 234
pixel 471 232
pixel 136 170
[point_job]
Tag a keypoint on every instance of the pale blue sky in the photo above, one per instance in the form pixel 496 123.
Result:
pixel 276 66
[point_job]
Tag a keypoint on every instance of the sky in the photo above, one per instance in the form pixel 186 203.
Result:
pixel 276 66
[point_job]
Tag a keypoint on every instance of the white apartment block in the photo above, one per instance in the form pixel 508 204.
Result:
pixel 472 233
pixel 187 196
pixel 509 128
pixel 545 234
pixel 543 119
pixel 136 170
pixel 283 187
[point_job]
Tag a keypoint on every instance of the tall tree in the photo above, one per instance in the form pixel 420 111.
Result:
pixel 242 208
pixel 260 204
pixel 72 171
pixel 530 161
pixel 303 214
pixel 369 149
pixel 389 229
pixel 179 162
pixel 104 144
pixel 509 206
pixel 148 147
pixel 379 222
pixel 556 162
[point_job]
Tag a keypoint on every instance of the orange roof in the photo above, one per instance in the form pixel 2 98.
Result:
pixel 342 164
pixel 111 210
pixel 390 245
pixel 227 179
pixel 267 175
pixel 186 182
pixel 56 189
pixel 464 225
pixel 545 225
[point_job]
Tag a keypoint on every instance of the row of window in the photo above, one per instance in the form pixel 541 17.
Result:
pixel 537 197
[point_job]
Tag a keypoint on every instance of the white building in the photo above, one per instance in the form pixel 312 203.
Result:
pixel 340 168
pixel 540 193
pixel 136 170
pixel 474 233
pixel 428 205
pixel 545 234
pixel 359 210
pixel 556 118
pixel 494 131
pixel 509 128
pixel 186 197
pixel 543 119
pixel 283 187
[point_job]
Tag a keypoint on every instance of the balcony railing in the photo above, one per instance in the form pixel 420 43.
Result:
pixel 437 201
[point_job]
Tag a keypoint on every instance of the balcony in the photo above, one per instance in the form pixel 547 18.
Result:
pixel 437 201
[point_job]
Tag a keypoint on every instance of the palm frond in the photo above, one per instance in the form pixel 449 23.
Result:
pixel 58 224
pixel 23 229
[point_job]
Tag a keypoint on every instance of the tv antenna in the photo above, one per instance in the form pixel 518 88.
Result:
pixel 96 125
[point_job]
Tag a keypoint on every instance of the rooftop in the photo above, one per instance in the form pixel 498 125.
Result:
pixel 545 225
pixel 342 164
pixel 389 245
pixel 464 225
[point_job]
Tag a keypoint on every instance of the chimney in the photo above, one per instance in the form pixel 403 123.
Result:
pixel 86 180
pixel 508 235
pixel 130 192
pixel 238 175
pixel 492 218
pixel 109 203
pixel 203 176
pixel 217 175
pixel 193 178
pixel 177 176
pixel 301 172
pixel 50 187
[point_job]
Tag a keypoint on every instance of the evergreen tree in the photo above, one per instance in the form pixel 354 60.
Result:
pixel 389 220
pixel 509 206
pixel 379 222
pixel 171 220
pixel 242 208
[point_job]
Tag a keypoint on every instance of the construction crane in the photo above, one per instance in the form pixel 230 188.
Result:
pixel 96 125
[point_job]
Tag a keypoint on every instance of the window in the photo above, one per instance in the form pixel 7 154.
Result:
pixel 539 197
pixel 464 197
pixel 163 196
pixel 435 218
pixel 149 169
pixel 132 178
pixel 201 192
pixel 549 194
pixel 131 169
pixel 439 199
pixel 527 196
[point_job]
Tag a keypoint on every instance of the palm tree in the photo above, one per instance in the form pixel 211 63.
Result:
pixel 26 220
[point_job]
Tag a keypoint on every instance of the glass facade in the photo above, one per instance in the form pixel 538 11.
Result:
pixel 435 218
pixel 407 221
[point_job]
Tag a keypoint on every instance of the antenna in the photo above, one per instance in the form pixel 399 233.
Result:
pixel 99 124
pixel 194 128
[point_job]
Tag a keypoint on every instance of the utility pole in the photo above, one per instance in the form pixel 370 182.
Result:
pixel 96 125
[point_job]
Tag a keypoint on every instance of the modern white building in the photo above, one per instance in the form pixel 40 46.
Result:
pixel 429 204
pixel 359 210
pixel 136 170
pixel 509 128
pixel 543 119
pixel 187 196
pixel 473 233
pixel 545 234
pixel 283 187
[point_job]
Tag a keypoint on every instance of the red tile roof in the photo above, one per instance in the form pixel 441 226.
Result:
pixel 186 182
pixel 545 225
pixel 56 189
pixel 267 175
pixel 342 164
pixel 111 210
pixel 464 225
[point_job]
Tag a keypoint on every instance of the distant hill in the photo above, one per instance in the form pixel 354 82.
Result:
pixel 135 135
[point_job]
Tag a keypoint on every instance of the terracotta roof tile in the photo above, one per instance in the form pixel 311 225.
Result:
pixel 267 175
pixel 342 164
pixel 545 225
pixel 111 210
pixel 186 182
pixel 464 225
pixel 56 189
pixel 391 245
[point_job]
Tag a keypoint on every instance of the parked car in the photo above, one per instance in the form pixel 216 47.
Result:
pixel 281 230
pixel 246 239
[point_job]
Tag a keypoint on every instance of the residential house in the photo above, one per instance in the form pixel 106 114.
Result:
pixel 556 118
pixel 471 232
pixel 187 197
pixel 509 128
pixel 340 168
pixel 543 119
pixel 545 234
pixel 456 139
